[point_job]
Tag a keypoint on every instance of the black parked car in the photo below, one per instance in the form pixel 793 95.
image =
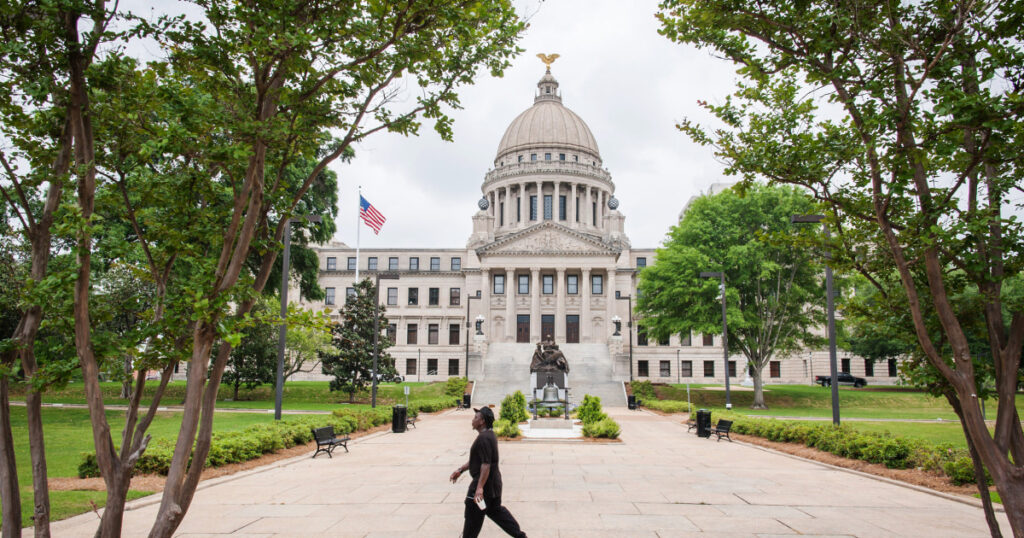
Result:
pixel 843 378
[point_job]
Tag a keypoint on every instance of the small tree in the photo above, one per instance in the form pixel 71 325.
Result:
pixel 304 347
pixel 254 361
pixel 771 289
pixel 350 363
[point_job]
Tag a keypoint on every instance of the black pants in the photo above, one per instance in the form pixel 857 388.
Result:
pixel 498 514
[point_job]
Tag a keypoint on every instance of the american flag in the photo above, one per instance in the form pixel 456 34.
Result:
pixel 370 215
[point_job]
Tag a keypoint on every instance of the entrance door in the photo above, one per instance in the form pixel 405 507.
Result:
pixel 523 329
pixel 547 327
pixel 572 329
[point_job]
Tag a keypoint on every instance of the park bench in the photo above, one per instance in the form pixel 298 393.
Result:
pixel 722 429
pixel 410 421
pixel 326 441
pixel 691 425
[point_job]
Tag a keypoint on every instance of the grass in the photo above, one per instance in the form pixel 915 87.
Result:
pixel 816 401
pixel 68 434
pixel 298 395
pixel 951 434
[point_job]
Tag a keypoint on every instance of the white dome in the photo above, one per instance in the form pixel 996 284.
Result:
pixel 548 124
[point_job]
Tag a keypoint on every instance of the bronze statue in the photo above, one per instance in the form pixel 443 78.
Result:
pixel 548 358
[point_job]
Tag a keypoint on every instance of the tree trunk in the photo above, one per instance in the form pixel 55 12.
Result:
pixel 235 396
pixel 126 385
pixel 758 389
pixel 41 510
pixel 10 493
pixel 113 512
pixel 979 469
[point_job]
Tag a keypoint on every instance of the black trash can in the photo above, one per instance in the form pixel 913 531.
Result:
pixel 631 401
pixel 398 416
pixel 703 423
pixel 465 401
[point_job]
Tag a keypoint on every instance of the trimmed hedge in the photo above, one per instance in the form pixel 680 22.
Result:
pixel 891 451
pixel 259 439
pixel 643 390
pixel 505 428
pixel 606 428
pixel 513 408
pixel 590 410
pixel 455 387
pixel 667 406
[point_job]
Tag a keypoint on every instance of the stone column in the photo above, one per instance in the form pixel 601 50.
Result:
pixel 522 210
pixel 560 303
pixel 571 202
pixel 554 201
pixel 585 321
pixel 535 304
pixel 510 306
pixel 484 307
pixel 587 213
pixel 612 304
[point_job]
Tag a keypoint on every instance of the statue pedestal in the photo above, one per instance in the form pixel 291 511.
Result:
pixel 539 379
pixel 615 345
pixel 480 344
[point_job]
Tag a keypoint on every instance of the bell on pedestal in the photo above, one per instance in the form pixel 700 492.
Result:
pixel 550 394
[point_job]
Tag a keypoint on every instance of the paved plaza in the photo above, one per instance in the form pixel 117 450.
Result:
pixel 661 481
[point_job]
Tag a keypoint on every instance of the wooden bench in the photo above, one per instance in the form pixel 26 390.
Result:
pixel 326 441
pixel 722 429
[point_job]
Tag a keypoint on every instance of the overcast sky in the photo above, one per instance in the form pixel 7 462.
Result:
pixel 629 84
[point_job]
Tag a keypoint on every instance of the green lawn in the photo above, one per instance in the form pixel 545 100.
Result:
pixel 68 434
pixel 816 401
pixel 934 433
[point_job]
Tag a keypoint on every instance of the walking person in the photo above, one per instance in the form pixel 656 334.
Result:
pixel 484 495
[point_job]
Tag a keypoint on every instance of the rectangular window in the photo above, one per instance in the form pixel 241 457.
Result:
pixel 349 292
pixel 533 207
pixel 456 263
pixel 594 208
pixel 453 334
pixel 435 263
pixel 410 334
pixel 561 208
pixel 332 263
pixel 432 333
pixel 547 207
pixel 329 296
pixel 709 340
pixel 561 156
pixel 641 369
pixel 641 262
pixel 414 264
pixel 414 296
pixel 431 366
pixel 548 284
pixel 869 368
pixel 709 368
pixel 392 296
pixel 684 339
pixel 371 263
pixel 519 212
pixel 774 369
pixel 524 284
pixel 351 263
pixel 393 263
pixel 665 368
pixel 519 159
pixel 547 156
pixel 433 296
pixel 453 367
pixel 577 208
pixel 533 157
pixel 501 214
pixel 410 367
pixel 845 366
pixel 663 341
pixel 686 368
pixel 393 332
pixel 641 336
pixel 572 284
pixel 732 368
pixel 454 296
pixel 597 284
pixel 499 284
pixel 892 367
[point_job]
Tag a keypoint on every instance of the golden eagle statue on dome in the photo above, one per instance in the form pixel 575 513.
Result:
pixel 548 59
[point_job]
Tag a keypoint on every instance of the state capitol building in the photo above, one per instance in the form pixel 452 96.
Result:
pixel 547 256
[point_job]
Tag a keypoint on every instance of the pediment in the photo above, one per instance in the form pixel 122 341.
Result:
pixel 548 238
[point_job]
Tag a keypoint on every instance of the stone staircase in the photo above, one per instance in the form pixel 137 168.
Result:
pixel 506 368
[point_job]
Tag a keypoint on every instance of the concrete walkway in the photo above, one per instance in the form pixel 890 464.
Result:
pixel 661 481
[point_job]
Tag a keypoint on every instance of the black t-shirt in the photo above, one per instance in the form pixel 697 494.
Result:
pixel 485 450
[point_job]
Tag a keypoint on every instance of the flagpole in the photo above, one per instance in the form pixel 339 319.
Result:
pixel 359 202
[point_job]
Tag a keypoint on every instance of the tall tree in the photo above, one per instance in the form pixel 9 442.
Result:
pixel 916 153
pixel 773 292
pixel 253 361
pixel 350 362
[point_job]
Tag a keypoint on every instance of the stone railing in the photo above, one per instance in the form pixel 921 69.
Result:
pixel 565 168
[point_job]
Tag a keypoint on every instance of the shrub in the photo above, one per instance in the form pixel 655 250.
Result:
pixel 455 387
pixel 589 410
pixel 505 428
pixel 513 408
pixel 643 390
pixel 605 428
pixel 667 406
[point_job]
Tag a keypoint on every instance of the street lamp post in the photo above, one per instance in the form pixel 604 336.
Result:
pixel 469 299
pixel 831 306
pixel 629 327
pixel 283 334
pixel 376 330
pixel 725 332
